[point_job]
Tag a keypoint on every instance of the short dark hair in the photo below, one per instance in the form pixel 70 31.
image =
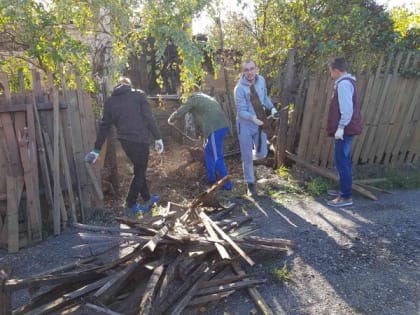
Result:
pixel 339 63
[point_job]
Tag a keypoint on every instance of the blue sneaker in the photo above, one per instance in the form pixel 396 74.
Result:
pixel 133 210
pixel 148 204
pixel 227 186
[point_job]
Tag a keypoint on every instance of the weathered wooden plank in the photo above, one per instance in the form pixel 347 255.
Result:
pixel 378 117
pixel 194 278
pixel 255 295
pixel 101 309
pixel 67 177
pixel 407 132
pixel 14 191
pixel 5 296
pixel 117 281
pixel 61 207
pixel 23 107
pixel 307 116
pixel 45 172
pixel 281 141
pixel 94 181
pixel 147 300
pixel 30 119
pixel 230 241
pixel 222 251
pixel 66 298
pixel 33 208
pixel 78 152
pixel 81 148
pixel 231 286
pixel 318 133
pixel 57 191
pixel 49 279
pixel 183 302
pixel 365 110
pixel 399 119
pixel 387 126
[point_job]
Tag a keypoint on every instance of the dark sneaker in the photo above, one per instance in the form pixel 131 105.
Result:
pixel 251 192
pixel 332 193
pixel 148 204
pixel 340 202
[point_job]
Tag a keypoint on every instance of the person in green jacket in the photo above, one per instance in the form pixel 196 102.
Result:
pixel 209 116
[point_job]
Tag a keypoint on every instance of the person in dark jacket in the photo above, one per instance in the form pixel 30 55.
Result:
pixel 211 119
pixel 128 110
pixel 344 122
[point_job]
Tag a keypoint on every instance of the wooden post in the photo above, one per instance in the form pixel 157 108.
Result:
pixel 281 141
pixel 287 95
pixel 56 162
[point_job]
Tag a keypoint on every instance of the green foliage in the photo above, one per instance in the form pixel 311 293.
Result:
pixel 66 33
pixel 282 274
pixel 317 29
pixel 283 171
pixel 407 26
pixel 318 186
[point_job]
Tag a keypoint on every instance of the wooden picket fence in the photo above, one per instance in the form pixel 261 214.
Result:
pixel 44 184
pixel 390 106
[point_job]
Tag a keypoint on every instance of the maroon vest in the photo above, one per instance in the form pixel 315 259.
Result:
pixel 355 126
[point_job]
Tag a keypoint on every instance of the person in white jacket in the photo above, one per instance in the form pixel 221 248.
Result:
pixel 247 122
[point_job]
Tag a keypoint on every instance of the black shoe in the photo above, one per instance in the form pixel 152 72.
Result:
pixel 251 192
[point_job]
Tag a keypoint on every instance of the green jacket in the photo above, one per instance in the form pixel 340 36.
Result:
pixel 207 113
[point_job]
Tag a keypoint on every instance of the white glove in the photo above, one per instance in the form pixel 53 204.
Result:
pixel 159 146
pixel 339 134
pixel 273 111
pixel 170 121
pixel 92 156
pixel 256 121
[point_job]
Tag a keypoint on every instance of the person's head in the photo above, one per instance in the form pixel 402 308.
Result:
pixel 337 66
pixel 249 69
pixel 124 81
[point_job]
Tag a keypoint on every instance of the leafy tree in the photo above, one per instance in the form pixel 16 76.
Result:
pixel 63 33
pixel 407 25
pixel 316 28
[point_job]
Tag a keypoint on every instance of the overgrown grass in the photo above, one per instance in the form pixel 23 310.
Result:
pixel 400 179
pixel 282 274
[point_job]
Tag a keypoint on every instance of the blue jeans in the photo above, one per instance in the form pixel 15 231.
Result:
pixel 213 154
pixel 342 158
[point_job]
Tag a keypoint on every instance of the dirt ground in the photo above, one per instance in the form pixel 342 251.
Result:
pixel 363 259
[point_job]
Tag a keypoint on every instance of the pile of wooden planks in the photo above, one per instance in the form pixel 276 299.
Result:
pixel 183 257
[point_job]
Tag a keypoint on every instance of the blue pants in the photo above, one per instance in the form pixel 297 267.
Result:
pixel 342 158
pixel 213 155
pixel 248 142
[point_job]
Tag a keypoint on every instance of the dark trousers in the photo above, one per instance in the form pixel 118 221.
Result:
pixel 342 158
pixel 138 153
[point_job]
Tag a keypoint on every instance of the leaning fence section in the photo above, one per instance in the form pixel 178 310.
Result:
pixel 44 184
pixel 390 106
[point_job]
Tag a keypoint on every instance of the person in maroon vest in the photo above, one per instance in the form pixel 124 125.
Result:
pixel 344 122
